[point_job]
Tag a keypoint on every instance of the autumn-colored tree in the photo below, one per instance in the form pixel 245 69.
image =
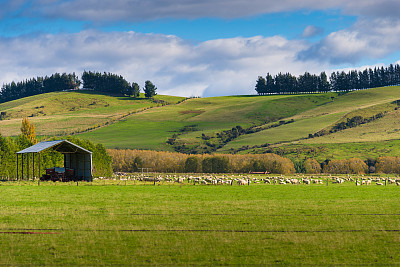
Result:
pixel 357 166
pixel 160 161
pixel 345 166
pixel 312 166
pixel 193 164
pixel 28 130
pixel 388 164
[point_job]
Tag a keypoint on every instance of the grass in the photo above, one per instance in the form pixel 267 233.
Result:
pixel 131 127
pixel 61 113
pixel 311 113
pixel 368 103
pixel 386 128
pixel 201 225
pixel 321 152
pixel 286 133
pixel 210 115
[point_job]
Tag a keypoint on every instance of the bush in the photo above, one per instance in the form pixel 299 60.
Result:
pixel 179 162
pixel 193 164
pixel 312 166
pixel 215 164
pixel 346 166
pixel 388 165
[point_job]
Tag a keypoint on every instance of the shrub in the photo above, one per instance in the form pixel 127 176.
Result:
pixel 312 166
pixel 193 164
pixel 388 165
pixel 179 162
pixel 215 164
pixel 346 166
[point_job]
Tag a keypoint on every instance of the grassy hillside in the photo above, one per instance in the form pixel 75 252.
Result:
pixel 365 103
pixel 67 112
pixel 190 121
pixel 299 126
pixel 194 117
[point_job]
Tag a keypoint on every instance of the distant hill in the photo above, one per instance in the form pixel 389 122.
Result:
pixel 63 113
pixel 331 125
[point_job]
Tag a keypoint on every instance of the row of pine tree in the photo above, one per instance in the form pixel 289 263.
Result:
pixel 102 82
pixel 338 81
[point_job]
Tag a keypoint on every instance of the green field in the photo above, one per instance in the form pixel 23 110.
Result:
pixel 208 115
pixel 310 114
pixel 61 113
pixel 122 122
pixel 112 223
pixel 364 103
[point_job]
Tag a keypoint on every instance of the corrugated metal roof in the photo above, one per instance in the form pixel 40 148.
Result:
pixel 63 146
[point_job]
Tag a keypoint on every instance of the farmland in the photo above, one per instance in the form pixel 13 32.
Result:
pixel 274 123
pixel 131 222
pixel 62 113
pixel 119 222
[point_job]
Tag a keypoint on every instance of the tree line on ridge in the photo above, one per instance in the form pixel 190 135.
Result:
pixel 101 82
pixel 337 81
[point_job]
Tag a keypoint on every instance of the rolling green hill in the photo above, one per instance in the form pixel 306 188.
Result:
pixel 332 125
pixel 194 117
pixel 62 113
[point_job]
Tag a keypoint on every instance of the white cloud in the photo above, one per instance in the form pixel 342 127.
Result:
pixel 372 39
pixel 216 67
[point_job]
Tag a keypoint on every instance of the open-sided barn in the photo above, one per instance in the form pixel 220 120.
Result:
pixel 77 161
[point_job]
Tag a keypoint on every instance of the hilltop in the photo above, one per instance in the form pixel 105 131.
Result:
pixel 328 125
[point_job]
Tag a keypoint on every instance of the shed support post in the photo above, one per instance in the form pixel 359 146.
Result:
pixel 17 166
pixel 22 169
pixel 39 165
pixel 27 166
pixel 33 166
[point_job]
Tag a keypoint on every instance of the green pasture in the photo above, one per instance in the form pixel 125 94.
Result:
pixel 356 100
pixel 321 152
pixel 285 133
pixel 386 128
pixel 369 103
pixel 62 113
pixel 123 122
pixel 311 113
pixel 208 115
pixel 110 223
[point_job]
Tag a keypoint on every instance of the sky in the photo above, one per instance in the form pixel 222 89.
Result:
pixel 195 48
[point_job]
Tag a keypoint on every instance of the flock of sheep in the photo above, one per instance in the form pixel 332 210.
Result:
pixel 247 180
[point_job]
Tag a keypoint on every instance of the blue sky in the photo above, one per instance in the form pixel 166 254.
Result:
pixel 195 48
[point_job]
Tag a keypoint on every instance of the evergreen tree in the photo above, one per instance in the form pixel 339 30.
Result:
pixel 270 84
pixel 135 90
pixel 338 81
pixel 149 89
pixel 261 85
pixel 323 83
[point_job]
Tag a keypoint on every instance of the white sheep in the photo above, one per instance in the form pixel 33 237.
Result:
pixel 242 182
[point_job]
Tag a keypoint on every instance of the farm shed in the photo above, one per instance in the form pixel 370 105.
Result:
pixel 76 158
